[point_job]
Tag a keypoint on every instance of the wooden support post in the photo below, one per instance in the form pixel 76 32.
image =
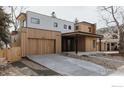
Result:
pixel 106 46
pixel 99 44
pixel 67 45
pixel 76 44
pixel 110 46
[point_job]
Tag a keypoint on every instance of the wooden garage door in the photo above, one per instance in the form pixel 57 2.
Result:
pixel 41 46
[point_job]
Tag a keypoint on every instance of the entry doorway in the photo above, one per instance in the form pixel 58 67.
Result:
pixel 108 47
pixel 70 44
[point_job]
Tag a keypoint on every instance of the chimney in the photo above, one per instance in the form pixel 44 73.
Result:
pixel 53 14
pixel 76 20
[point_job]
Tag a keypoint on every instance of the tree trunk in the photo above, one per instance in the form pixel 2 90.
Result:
pixel 121 43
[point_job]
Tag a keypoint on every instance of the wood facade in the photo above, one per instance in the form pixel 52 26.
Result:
pixel 89 43
pixel 79 41
pixel 81 36
pixel 38 41
pixel 11 54
pixel 85 27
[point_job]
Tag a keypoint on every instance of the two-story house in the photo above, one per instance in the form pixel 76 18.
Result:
pixel 42 34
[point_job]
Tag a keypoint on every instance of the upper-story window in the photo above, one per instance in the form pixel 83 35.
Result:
pixel 55 24
pixel 65 26
pixel 22 23
pixel 69 27
pixel 35 20
pixel 90 30
pixel 76 27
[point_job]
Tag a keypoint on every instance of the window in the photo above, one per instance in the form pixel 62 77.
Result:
pixel 55 24
pixel 76 28
pixel 35 20
pixel 94 43
pixel 112 44
pixel 14 39
pixel 69 27
pixel 22 23
pixel 89 29
pixel 65 26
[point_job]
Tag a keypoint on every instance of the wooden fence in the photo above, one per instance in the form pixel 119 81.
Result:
pixel 11 54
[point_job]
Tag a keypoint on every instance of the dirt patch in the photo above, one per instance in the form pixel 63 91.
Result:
pixel 10 71
pixel 39 69
pixel 121 55
pixel 103 62
pixel 97 59
pixel 25 67
pixel 32 64
pixel 115 57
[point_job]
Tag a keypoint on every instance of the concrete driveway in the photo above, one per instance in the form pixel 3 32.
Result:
pixel 69 66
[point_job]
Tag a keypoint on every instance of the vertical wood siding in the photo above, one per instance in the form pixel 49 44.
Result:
pixel 37 41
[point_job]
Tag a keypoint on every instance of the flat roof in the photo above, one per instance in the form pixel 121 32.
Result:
pixel 50 16
pixel 86 23
pixel 82 33
pixel 55 18
pixel 42 15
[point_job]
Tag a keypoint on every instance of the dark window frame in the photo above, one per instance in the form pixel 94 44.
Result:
pixel 55 24
pixel 65 26
pixel 76 27
pixel 69 27
pixel 37 20
pixel 90 29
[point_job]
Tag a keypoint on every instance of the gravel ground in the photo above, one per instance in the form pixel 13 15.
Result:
pixel 116 57
pixel 119 72
pixel 25 67
pixel 107 61
pixel 10 71
pixel 33 69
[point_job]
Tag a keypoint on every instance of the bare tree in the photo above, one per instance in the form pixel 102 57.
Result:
pixel 114 16
pixel 15 11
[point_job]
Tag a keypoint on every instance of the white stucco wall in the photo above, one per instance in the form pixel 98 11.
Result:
pixel 47 22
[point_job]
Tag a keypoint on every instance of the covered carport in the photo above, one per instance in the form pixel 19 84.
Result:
pixel 75 41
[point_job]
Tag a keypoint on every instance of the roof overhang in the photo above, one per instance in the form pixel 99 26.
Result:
pixel 110 40
pixel 21 16
pixel 82 34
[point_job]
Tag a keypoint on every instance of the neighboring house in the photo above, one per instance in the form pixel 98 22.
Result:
pixel 41 34
pixel 110 39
